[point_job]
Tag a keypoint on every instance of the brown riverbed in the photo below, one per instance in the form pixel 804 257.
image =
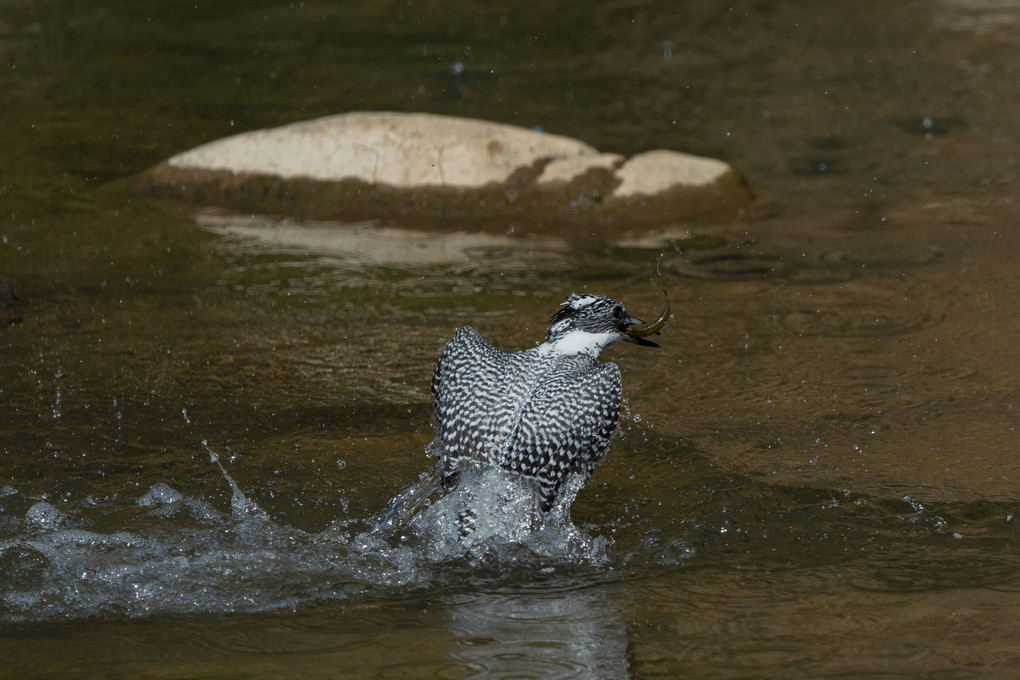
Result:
pixel 817 473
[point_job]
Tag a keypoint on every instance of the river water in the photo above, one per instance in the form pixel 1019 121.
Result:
pixel 816 474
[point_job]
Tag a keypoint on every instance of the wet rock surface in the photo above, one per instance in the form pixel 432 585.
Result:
pixel 441 168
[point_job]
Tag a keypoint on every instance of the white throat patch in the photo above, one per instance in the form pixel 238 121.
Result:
pixel 578 341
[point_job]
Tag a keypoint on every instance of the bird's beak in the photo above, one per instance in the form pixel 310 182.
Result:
pixel 636 330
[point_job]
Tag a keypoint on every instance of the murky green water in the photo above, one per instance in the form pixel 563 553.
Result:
pixel 818 473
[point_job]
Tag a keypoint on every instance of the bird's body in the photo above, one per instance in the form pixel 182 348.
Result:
pixel 543 413
pixel 546 414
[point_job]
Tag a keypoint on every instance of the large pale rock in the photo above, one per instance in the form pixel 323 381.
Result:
pixel 571 167
pixel 399 149
pixel 421 166
pixel 657 172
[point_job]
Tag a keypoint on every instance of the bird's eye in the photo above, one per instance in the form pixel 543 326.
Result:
pixel 618 312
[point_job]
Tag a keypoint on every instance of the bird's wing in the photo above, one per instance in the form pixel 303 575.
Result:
pixel 466 385
pixel 564 428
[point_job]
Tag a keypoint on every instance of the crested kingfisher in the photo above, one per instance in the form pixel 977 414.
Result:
pixel 546 413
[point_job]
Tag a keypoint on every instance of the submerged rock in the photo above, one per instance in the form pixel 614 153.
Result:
pixel 9 302
pixel 416 166
pixel 7 296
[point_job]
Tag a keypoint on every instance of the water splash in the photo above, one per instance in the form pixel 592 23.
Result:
pixel 166 552
pixel 493 515
pixel 239 503
pixel 174 554
pixel 169 553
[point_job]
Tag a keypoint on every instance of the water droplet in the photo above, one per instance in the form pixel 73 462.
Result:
pixel 44 515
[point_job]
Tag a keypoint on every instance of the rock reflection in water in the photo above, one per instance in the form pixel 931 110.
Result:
pixel 270 254
pixel 368 244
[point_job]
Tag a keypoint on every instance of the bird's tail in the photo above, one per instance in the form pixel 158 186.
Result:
pixel 409 501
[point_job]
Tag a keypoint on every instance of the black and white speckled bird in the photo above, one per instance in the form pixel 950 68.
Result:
pixel 546 413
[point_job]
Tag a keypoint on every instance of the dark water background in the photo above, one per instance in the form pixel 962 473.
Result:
pixel 817 475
